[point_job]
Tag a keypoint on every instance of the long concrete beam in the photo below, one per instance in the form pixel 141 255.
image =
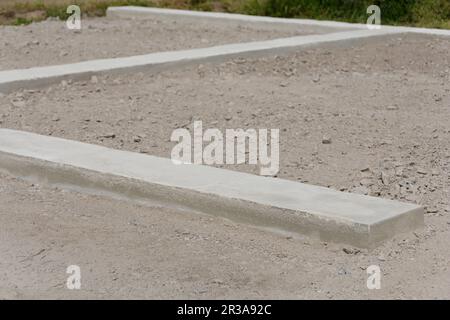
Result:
pixel 144 12
pixel 11 80
pixel 271 203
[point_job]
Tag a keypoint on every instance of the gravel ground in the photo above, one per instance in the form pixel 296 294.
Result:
pixel 50 42
pixel 128 251
pixel 383 103
pixel 386 114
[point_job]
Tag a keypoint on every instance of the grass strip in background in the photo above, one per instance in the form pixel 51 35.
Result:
pixel 422 13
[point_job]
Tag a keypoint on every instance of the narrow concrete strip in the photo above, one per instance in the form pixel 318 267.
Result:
pixel 142 12
pixel 270 203
pixel 11 80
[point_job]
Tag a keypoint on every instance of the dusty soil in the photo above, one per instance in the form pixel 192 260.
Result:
pixel 51 42
pixel 128 251
pixel 385 113
pixel 383 102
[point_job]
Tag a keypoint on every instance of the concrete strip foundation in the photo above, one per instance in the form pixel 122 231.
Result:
pixel 142 12
pixel 31 78
pixel 270 203
pixel 135 12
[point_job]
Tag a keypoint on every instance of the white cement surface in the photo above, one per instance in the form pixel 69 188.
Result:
pixel 285 194
pixel 139 12
pixel 132 11
pixel 40 76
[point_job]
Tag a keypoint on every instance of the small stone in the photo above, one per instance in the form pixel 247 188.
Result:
pixel 366 182
pixel 392 107
pixel 326 140
pixel 94 79
pixel 228 118
pixel 137 139
pixel 351 251
pixel 18 104
pixel 55 118
pixel 343 271
pixel 109 135
pixel 422 171
pixel 432 210
pixel 218 281
pixel 381 257
pixel 347 251
pixel 399 171
pixel 384 178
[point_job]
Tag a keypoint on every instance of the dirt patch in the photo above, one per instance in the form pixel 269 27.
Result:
pixel 50 42
pixel 386 114
pixel 11 17
pixel 383 103
pixel 126 251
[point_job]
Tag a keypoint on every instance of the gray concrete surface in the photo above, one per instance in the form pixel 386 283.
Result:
pixel 11 80
pixel 142 12
pixel 270 203
pixel 135 12
pixel 130 251
pixel 50 42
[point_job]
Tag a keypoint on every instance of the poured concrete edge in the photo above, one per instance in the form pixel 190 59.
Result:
pixel 11 80
pixel 145 12
pixel 269 203
pixel 142 12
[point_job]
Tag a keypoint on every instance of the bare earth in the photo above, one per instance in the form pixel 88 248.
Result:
pixel 383 102
pixel 51 42
pixel 128 251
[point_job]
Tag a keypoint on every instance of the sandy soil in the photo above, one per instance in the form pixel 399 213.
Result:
pixel 50 42
pixel 383 103
pixel 387 113
pixel 128 251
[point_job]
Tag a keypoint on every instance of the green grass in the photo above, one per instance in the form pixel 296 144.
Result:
pixel 21 11
pixel 425 13
pixel 430 13
pixel 22 21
